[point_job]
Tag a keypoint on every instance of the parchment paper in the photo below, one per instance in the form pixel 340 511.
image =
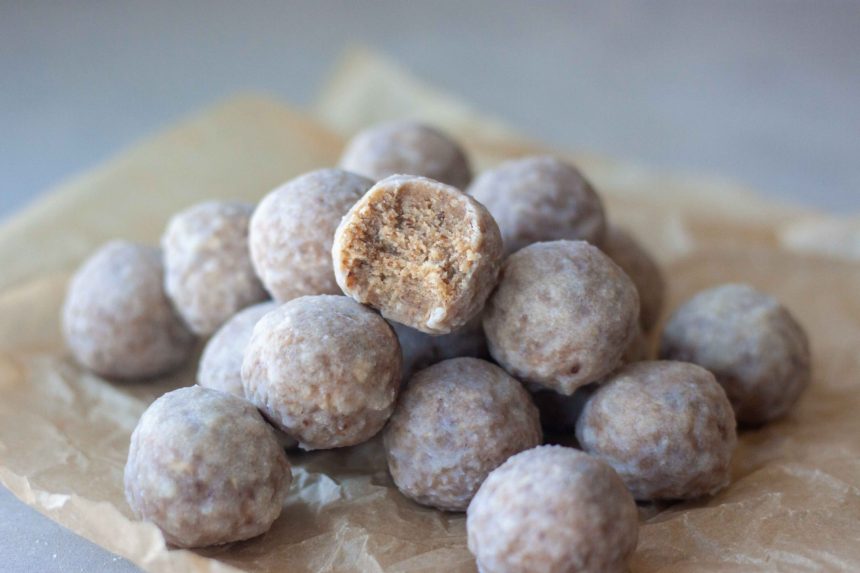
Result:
pixel 795 501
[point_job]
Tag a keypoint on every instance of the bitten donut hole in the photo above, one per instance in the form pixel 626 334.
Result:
pixel 421 252
pixel 411 251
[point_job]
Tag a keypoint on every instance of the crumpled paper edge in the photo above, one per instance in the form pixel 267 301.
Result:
pixel 72 511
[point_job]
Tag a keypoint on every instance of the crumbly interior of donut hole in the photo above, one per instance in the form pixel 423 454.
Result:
pixel 412 252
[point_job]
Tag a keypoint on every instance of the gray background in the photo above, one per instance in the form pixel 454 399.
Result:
pixel 764 92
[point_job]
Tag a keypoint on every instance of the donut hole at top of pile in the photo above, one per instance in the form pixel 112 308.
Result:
pixel 461 322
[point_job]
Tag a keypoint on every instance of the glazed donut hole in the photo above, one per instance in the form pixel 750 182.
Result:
pixel 552 508
pixel 456 421
pixel 756 349
pixel 666 427
pixel 540 199
pixel 117 320
pixel 407 147
pixel 208 273
pixel 562 316
pixel 420 251
pixel 324 369
pixel 205 468
pixel 291 232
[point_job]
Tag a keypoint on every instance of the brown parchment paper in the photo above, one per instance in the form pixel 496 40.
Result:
pixel 794 504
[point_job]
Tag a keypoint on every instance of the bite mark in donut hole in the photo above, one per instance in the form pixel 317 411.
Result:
pixel 422 252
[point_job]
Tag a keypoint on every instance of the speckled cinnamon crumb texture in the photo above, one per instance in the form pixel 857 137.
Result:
pixel 409 148
pixel 666 427
pixel 292 228
pixel 753 345
pixel 205 468
pixel 562 316
pixel 207 269
pixel 422 252
pixel 456 422
pixel 540 198
pixel 117 320
pixel 552 509
pixel 324 369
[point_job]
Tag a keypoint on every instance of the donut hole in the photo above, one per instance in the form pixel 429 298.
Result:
pixel 411 248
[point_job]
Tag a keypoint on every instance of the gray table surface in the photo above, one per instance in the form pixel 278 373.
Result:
pixel 762 92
